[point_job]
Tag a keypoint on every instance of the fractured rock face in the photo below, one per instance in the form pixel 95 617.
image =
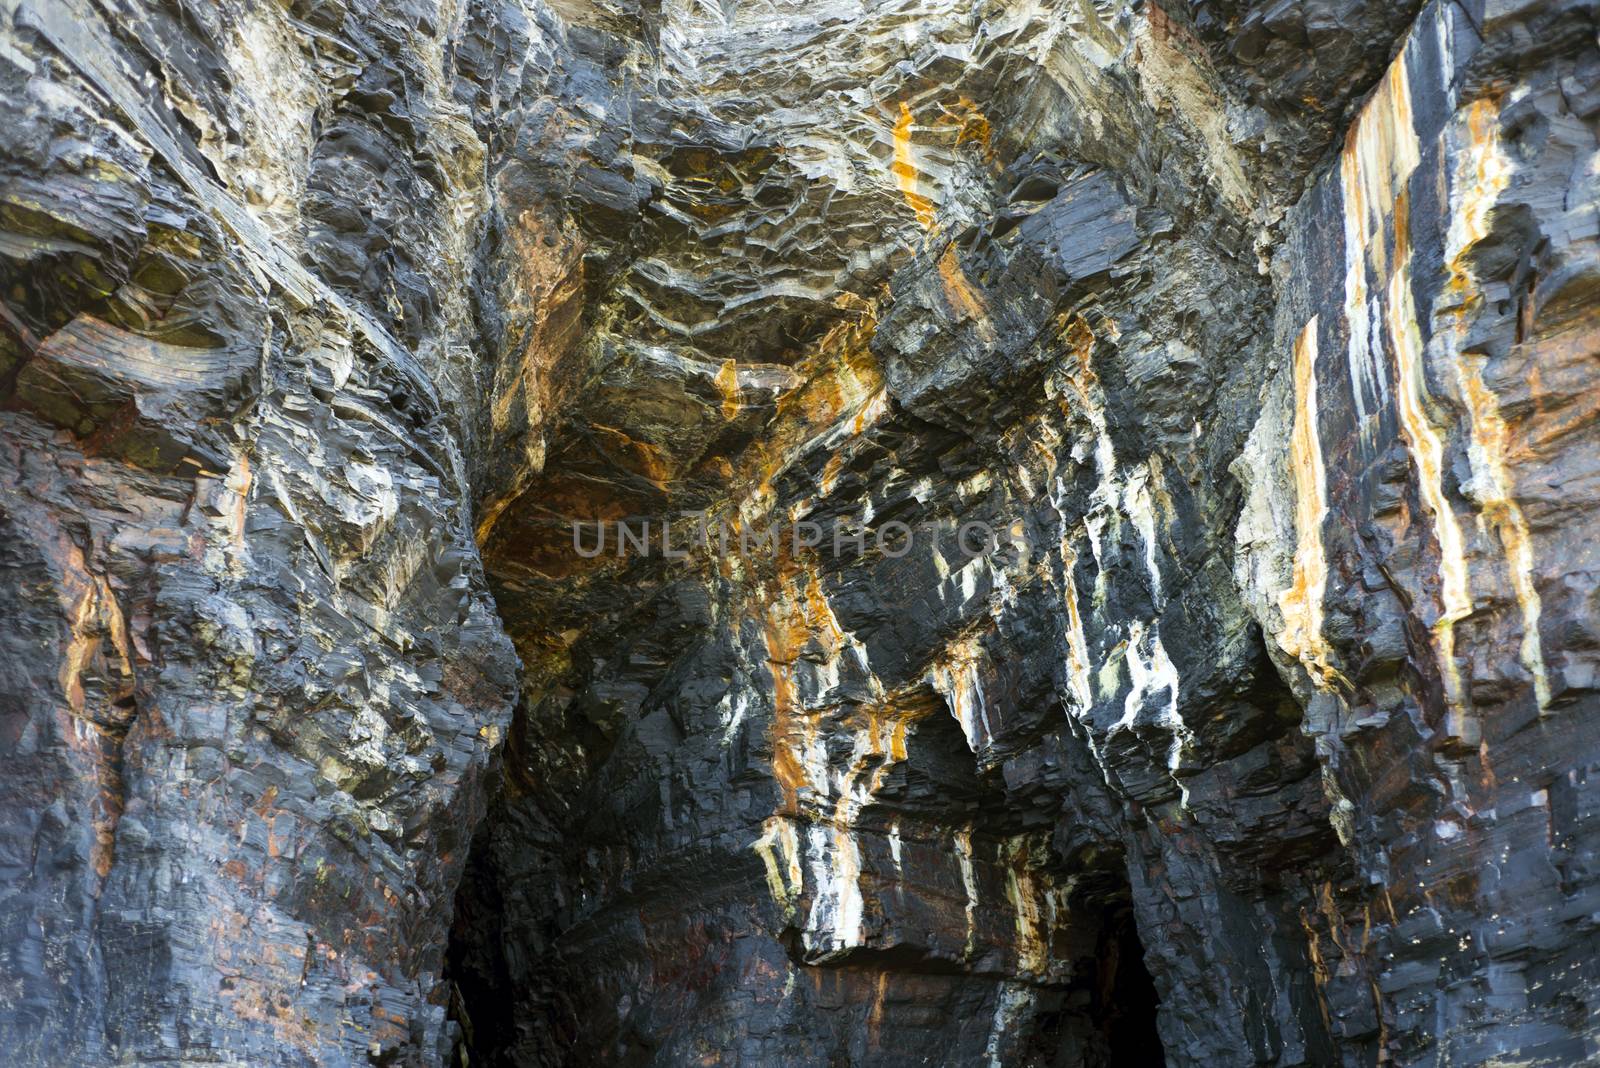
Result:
pixel 1431 617
pixel 1149 442
pixel 252 676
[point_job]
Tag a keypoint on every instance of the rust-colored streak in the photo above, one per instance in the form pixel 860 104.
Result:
pixel 1427 454
pixel 796 616
pixel 638 457
pixel 97 648
pixel 728 385
pixel 972 126
pixel 1380 153
pixel 964 300
pixel 1483 175
pixel 1301 603
pixel 239 481
pixel 544 298
pixel 1078 663
pixel 905 171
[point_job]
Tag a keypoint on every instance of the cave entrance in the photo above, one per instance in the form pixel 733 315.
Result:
pixel 1125 1002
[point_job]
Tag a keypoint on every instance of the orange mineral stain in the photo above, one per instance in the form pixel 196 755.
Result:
pixel 905 169
pixel 1029 904
pixel 1301 603
pixel 1485 173
pixel 1077 644
pixel 239 480
pixel 1427 453
pixel 958 678
pixel 1489 437
pixel 1380 153
pixel 965 301
pixel 728 385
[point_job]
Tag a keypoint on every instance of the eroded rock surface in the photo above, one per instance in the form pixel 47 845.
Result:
pixel 252 677
pixel 1261 334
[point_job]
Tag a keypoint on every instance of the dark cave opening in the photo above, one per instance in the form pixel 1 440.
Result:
pixel 1108 1019
pixel 507 1004
pixel 1125 1000
pixel 474 972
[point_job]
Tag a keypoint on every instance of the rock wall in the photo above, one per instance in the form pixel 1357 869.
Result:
pixel 1413 537
pixel 1259 334
pixel 252 678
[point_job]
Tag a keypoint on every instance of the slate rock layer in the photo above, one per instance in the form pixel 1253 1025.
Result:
pixel 1261 337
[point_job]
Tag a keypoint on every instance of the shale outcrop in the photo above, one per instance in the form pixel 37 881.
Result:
pixel 574 532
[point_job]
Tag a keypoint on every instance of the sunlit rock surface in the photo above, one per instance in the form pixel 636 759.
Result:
pixel 1261 335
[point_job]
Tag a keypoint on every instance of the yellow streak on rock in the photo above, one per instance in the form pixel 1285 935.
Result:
pixel 827 800
pixel 1427 452
pixel 970 882
pixel 728 385
pixel 546 318
pixel 543 303
pixel 965 301
pixel 897 742
pixel 905 169
pixel 491 515
pixel 1489 437
pixel 238 482
pixel 1301 603
pixel 841 381
pixel 1176 82
pixel 647 458
pixel 1484 175
pixel 1033 947
pixel 799 616
pixel 778 831
pixel 1077 645
pixel 871 410
pixel 957 676
pixel 971 124
pixel 785 634
pixel 94 619
pixel 1380 153
pixel 831 471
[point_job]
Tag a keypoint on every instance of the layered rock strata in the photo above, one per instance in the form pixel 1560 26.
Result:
pixel 1259 334
pixel 252 678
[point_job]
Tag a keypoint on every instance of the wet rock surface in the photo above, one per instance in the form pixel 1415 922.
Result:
pixel 1259 335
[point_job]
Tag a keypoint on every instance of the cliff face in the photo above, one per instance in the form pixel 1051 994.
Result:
pixel 1260 336
pixel 251 675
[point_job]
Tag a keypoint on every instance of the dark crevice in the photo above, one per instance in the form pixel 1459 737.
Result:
pixel 1125 1001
